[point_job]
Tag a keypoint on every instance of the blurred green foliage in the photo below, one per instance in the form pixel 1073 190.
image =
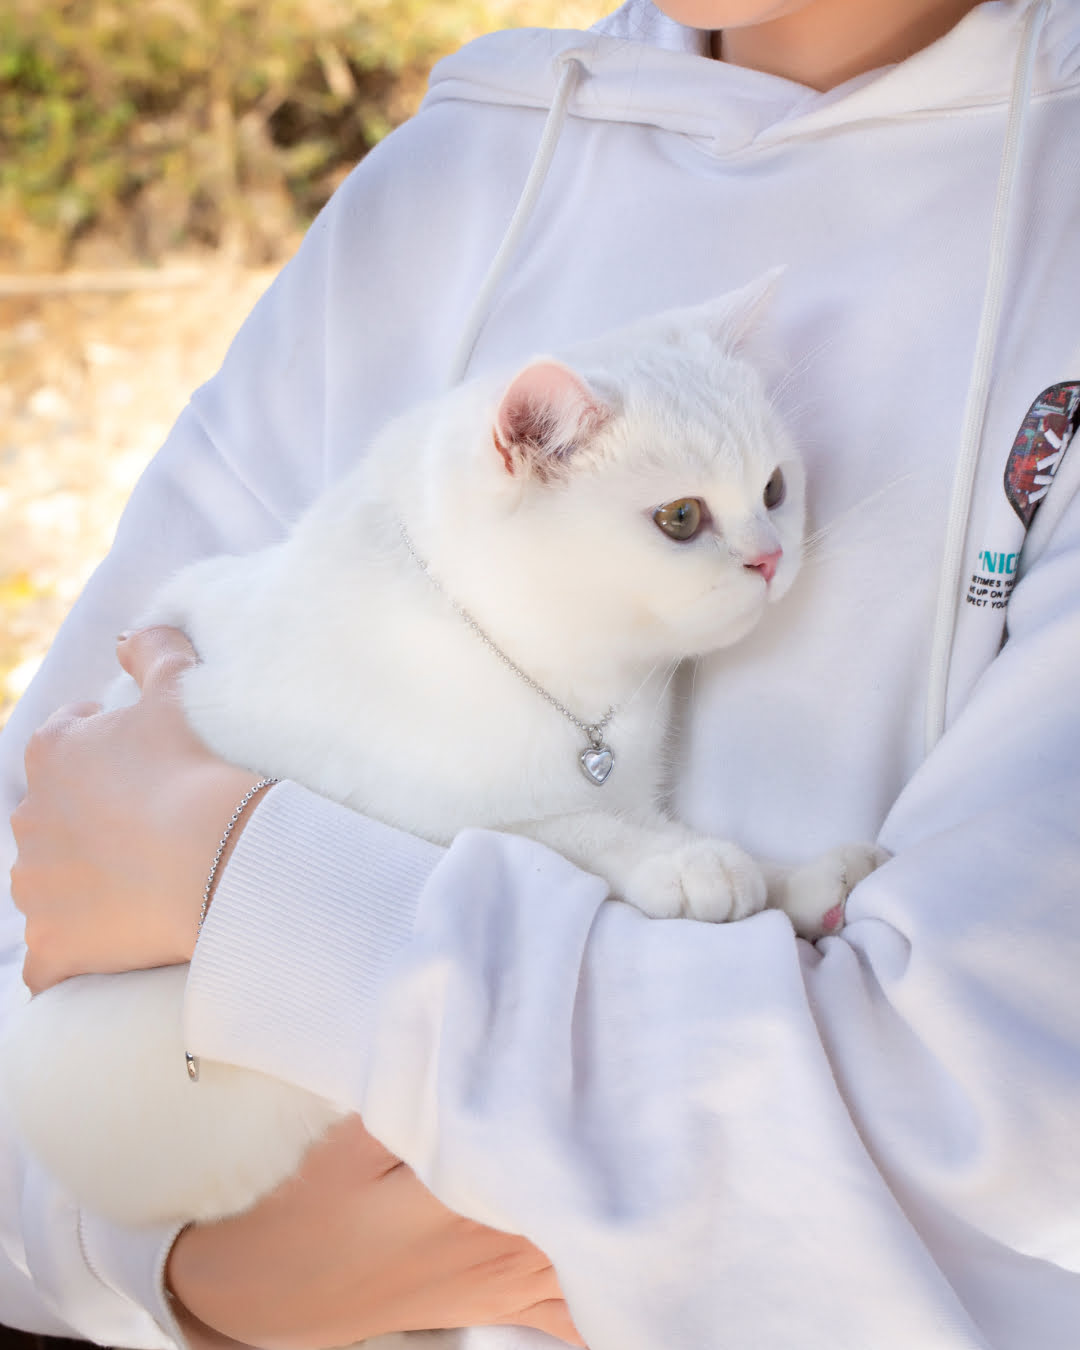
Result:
pixel 161 123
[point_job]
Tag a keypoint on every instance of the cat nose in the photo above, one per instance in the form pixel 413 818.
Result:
pixel 766 563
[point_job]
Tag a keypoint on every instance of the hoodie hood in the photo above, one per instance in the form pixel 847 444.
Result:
pixel 644 68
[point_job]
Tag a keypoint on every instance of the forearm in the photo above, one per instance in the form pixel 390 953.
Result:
pixel 642 1098
pixel 678 1112
pixel 243 461
pixel 60 1272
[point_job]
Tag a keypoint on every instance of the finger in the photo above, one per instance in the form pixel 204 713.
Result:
pixel 18 895
pixel 36 974
pixel 155 657
pixel 518 1262
pixel 54 729
pixel 552 1316
pixel 32 978
pixel 70 712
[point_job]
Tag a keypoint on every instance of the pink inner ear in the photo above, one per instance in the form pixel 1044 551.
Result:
pixel 546 412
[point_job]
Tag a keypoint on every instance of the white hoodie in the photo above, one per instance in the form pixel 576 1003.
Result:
pixel 722 1136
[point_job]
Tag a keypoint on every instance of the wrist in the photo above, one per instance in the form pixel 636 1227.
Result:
pixel 197 1334
pixel 209 797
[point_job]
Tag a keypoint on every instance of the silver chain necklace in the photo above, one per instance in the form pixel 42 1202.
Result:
pixel 597 759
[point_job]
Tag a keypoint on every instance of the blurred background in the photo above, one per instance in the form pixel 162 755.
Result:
pixel 159 161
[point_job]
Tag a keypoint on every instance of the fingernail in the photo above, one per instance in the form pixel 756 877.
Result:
pixel 123 637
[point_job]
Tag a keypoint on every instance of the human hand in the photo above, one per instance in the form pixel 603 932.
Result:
pixel 122 816
pixel 354 1246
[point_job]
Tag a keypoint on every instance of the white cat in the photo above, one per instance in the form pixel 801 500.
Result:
pixel 482 621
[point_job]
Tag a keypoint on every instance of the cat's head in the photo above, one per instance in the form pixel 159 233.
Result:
pixel 642 490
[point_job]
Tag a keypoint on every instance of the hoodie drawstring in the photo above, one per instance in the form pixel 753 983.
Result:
pixel 545 151
pixel 979 387
pixel 985 346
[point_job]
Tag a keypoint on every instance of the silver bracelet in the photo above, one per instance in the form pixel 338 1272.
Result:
pixel 190 1060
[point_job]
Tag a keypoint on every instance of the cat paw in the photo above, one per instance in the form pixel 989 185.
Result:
pixel 707 879
pixel 815 895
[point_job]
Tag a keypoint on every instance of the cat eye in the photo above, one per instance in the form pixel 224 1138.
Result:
pixel 682 519
pixel 775 490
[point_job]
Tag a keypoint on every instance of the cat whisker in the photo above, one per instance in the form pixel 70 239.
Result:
pixel 660 708
pixel 672 672
pixel 796 412
pixel 797 370
pixel 814 542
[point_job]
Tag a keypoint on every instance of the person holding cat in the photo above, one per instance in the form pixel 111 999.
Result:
pixel 715 1134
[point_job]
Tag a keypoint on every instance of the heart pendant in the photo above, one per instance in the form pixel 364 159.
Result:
pixel 596 762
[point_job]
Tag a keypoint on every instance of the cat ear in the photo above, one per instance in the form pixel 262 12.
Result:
pixel 546 413
pixel 737 317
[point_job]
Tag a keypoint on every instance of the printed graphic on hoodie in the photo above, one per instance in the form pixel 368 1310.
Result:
pixel 1051 423
pixel 1040 446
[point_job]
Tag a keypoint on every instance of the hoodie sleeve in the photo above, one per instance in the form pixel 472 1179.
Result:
pixel 245 458
pixel 720 1133
pixel 61 1271
pixel 255 445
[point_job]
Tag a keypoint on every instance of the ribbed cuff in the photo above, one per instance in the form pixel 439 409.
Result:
pixel 131 1262
pixel 314 903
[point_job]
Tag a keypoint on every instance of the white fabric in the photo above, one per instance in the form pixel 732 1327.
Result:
pixel 967 465
pixel 723 1137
